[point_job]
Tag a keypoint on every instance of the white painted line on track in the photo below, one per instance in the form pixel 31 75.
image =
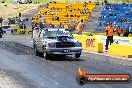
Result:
pixel 106 54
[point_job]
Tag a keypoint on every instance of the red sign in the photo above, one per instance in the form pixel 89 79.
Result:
pixel 90 43
pixel 82 78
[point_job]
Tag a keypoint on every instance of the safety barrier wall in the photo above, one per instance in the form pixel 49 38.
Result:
pixel 120 50
pixel 18 31
pixel 130 40
pixel 90 43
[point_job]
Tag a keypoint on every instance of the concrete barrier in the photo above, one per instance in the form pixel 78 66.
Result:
pixel 120 50
pixel 130 40
pixel 90 43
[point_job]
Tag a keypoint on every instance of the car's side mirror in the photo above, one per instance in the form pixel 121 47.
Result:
pixel 72 36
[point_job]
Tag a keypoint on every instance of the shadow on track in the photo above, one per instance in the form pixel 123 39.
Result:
pixel 66 58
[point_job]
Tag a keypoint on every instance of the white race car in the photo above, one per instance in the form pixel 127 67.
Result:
pixel 56 42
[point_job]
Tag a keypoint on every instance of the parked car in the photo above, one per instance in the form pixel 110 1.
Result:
pixel 6 29
pixel 56 42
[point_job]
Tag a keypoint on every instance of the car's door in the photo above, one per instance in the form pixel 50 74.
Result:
pixel 40 42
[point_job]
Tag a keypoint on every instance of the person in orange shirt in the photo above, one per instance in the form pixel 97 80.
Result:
pixel 71 26
pixel 119 31
pixel 80 27
pixel 109 33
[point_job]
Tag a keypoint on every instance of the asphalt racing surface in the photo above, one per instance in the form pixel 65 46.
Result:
pixel 20 68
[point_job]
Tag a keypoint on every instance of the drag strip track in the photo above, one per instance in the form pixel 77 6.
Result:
pixel 60 72
pixel 16 47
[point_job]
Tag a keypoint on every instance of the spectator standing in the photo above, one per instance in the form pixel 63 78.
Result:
pixel 20 15
pixel 119 31
pixel 80 27
pixel 61 25
pixel 1 21
pixel 24 26
pixel 33 26
pixel 1 32
pixel 51 25
pixel 41 25
pixel 71 26
pixel 47 5
pixel 109 33
pixel 126 33
pixel 105 2
pixel 57 18
pixel 56 26
pixel 35 31
pixel 45 25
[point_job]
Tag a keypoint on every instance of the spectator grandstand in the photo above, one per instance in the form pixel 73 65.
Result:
pixel 57 13
pixel 118 14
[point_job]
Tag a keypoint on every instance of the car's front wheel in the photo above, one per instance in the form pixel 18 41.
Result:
pixel 77 55
pixel 46 55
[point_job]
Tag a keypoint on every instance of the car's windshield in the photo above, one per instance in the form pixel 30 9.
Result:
pixel 6 27
pixel 54 34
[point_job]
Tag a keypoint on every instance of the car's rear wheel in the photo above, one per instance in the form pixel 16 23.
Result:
pixel 77 55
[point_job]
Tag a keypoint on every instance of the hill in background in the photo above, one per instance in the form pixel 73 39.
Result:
pixel 43 1
pixel 12 10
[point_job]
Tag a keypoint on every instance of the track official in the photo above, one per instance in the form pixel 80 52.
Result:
pixel 119 31
pixel 1 32
pixel 109 33
pixel 80 27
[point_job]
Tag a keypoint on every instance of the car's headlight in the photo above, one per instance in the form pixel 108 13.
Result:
pixel 78 44
pixel 51 45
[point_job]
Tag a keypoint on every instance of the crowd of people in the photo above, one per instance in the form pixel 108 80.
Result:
pixel 63 15
pixel 72 26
